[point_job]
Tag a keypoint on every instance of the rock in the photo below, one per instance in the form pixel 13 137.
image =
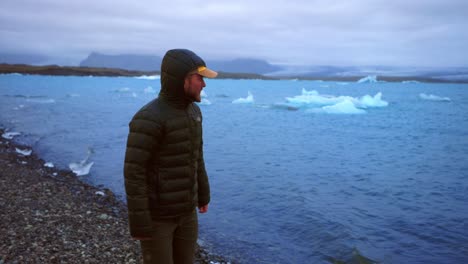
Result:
pixel 103 216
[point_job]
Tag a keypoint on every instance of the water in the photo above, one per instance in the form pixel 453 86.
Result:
pixel 291 182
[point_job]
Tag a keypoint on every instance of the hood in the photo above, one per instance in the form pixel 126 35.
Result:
pixel 176 64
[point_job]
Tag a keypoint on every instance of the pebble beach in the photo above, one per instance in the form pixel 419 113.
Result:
pixel 51 216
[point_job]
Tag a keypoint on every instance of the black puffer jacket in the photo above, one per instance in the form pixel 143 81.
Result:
pixel 164 168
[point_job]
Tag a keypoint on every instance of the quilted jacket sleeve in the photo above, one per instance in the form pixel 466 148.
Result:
pixel 143 140
pixel 203 183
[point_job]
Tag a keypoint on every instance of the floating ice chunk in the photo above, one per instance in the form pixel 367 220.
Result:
pixel 41 100
pixel 368 101
pixel 368 79
pixel 18 107
pixel 410 81
pixel 205 102
pixel 432 97
pixel 314 102
pixel 203 96
pixel 343 107
pixel 248 100
pixel 149 77
pixel 149 89
pixel 312 98
pixel 10 135
pixel 100 193
pixel 24 152
pixel 122 90
pixel 49 165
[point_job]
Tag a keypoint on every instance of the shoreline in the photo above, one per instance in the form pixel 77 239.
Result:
pixel 51 216
pixel 55 70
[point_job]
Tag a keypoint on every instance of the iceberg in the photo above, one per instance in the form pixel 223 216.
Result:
pixel 312 98
pixel 368 101
pixel 344 107
pixel 149 77
pixel 314 102
pixel 431 97
pixel 368 79
pixel 248 100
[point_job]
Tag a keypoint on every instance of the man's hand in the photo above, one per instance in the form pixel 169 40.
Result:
pixel 203 209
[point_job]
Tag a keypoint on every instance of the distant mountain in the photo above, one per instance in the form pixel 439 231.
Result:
pixel 125 61
pixel 152 63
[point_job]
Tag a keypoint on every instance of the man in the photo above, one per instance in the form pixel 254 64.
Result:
pixel 165 177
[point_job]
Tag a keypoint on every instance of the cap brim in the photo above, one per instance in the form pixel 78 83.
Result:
pixel 205 72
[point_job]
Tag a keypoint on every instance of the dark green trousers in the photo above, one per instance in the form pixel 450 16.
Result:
pixel 173 241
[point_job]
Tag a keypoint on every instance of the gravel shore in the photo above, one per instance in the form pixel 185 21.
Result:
pixel 50 216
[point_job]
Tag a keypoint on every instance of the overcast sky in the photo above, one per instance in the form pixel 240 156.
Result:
pixel 314 32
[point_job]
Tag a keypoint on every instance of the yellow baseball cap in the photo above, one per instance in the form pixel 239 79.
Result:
pixel 205 72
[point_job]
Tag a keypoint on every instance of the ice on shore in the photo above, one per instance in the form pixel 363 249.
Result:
pixel 10 135
pixel 83 167
pixel 49 165
pixel 247 100
pixel 432 97
pixel 100 193
pixel 24 152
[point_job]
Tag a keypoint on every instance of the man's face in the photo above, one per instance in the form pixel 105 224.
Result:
pixel 193 86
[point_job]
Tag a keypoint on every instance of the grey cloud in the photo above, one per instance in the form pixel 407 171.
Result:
pixel 423 33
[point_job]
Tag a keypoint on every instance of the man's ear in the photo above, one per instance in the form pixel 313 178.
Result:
pixel 186 82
